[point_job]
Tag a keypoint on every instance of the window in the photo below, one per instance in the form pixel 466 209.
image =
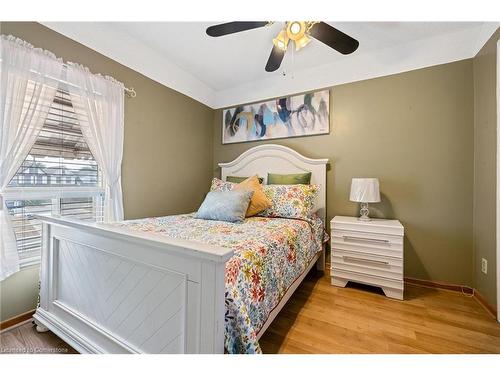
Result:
pixel 58 176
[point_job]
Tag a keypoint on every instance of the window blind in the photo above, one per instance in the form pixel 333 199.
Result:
pixel 60 156
pixel 59 176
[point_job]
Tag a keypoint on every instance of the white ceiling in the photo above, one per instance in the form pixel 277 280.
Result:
pixel 229 70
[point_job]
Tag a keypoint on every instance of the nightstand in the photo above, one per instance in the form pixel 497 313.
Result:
pixel 368 252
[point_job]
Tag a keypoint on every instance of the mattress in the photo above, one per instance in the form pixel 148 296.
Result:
pixel 269 255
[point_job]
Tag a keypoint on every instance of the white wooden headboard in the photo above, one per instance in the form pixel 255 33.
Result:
pixel 272 158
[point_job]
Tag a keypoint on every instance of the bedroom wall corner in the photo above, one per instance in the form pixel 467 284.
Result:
pixel 414 131
pixel 485 156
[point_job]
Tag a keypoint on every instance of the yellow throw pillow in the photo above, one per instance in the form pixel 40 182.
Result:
pixel 259 201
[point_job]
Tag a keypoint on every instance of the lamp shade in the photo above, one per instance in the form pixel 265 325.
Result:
pixel 365 190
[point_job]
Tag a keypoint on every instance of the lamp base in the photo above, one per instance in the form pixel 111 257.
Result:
pixel 364 212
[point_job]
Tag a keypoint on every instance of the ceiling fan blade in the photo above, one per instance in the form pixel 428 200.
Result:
pixel 234 27
pixel 334 38
pixel 275 59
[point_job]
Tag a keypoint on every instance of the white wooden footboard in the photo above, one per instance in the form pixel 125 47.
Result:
pixel 107 290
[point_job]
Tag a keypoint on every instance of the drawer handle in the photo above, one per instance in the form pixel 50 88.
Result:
pixel 352 238
pixel 352 259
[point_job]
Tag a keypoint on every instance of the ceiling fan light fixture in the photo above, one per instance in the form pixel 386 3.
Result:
pixel 302 42
pixel 296 30
pixel 295 27
pixel 300 32
pixel 281 41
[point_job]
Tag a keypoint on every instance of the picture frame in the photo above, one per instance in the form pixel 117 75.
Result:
pixel 284 117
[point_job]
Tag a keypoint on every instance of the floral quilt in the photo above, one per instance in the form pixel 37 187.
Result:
pixel 270 254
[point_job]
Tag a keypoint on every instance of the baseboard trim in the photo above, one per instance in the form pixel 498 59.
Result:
pixel 16 320
pixel 486 305
pixel 439 285
pixel 490 309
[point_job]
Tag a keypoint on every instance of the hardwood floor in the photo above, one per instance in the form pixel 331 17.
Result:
pixel 24 339
pixel 320 318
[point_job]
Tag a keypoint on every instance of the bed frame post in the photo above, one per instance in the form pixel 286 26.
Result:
pixel 321 263
pixel 213 310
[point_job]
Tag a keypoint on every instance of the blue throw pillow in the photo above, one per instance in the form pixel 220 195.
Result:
pixel 225 205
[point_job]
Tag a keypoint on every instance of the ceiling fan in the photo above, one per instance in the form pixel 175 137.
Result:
pixel 299 32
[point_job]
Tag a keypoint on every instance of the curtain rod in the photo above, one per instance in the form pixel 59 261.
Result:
pixel 130 92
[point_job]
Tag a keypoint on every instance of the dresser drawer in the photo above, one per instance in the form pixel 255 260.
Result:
pixel 389 251
pixel 385 244
pixel 387 267
pixel 390 227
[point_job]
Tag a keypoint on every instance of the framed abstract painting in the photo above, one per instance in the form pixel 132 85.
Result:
pixel 291 116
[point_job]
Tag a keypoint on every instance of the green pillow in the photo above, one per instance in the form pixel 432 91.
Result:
pixel 289 179
pixel 237 179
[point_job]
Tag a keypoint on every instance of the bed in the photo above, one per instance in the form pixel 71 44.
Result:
pixel 177 284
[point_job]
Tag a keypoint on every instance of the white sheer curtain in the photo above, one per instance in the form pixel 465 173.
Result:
pixel 27 88
pixel 99 104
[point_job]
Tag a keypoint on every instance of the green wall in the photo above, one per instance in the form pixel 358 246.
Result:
pixel 485 146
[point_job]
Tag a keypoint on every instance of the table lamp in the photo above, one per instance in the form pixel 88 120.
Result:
pixel 365 190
